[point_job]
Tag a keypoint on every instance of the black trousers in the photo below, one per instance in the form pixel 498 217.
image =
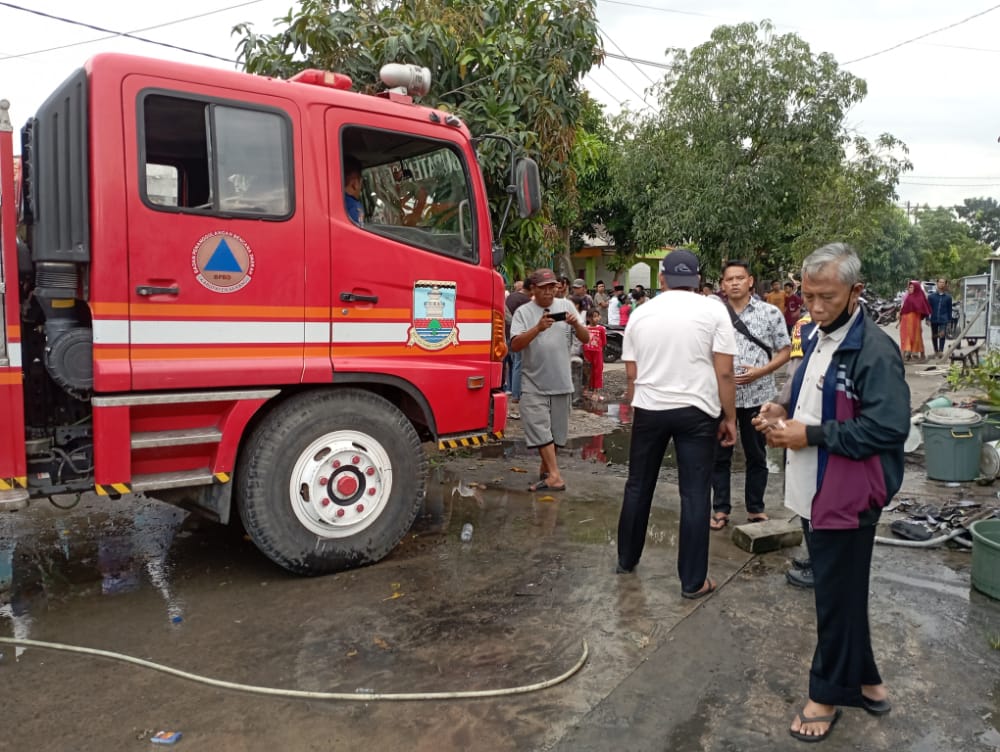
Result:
pixel 843 661
pixel 755 451
pixel 695 436
pixel 938 336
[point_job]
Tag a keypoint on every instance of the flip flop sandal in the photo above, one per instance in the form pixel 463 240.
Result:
pixel 712 586
pixel 719 521
pixel 543 486
pixel 875 707
pixel 803 718
pixel 751 520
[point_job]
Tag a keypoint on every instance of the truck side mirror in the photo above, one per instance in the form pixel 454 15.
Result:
pixel 529 188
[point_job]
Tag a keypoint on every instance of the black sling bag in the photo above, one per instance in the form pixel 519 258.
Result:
pixel 742 328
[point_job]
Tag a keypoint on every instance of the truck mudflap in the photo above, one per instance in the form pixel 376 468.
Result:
pixel 498 422
pixel 498 413
pixel 469 440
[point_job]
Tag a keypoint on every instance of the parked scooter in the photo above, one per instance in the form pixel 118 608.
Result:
pixel 951 330
pixel 613 346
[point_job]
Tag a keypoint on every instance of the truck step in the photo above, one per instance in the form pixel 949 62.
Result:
pixel 152 481
pixel 14 499
pixel 182 437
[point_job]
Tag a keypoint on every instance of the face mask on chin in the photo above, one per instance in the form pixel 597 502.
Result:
pixel 842 318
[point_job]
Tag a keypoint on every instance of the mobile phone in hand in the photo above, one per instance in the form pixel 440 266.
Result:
pixel 558 316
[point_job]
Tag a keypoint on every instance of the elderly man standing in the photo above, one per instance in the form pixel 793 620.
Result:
pixel 844 426
pixel 678 352
pixel 542 331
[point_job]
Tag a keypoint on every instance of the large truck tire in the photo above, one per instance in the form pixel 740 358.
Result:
pixel 330 481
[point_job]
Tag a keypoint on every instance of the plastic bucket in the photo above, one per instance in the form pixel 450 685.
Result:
pixel 986 557
pixel 991 421
pixel 952 443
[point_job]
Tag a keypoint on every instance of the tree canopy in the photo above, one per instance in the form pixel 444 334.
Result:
pixel 983 217
pixel 504 66
pixel 749 152
pixel 946 248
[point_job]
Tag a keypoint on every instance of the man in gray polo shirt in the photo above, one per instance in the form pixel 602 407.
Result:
pixel 542 332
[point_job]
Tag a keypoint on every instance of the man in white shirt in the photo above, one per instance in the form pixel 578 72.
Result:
pixel 614 306
pixel 678 353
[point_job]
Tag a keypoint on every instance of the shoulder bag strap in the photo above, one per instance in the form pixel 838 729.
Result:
pixel 740 326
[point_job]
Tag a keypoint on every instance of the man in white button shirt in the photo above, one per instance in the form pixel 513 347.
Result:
pixel 844 426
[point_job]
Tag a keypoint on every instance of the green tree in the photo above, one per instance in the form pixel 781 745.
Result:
pixel 946 248
pixel 603 209
pixel 983 217
pixel 751 129
pixel 889 254
pixel 504 66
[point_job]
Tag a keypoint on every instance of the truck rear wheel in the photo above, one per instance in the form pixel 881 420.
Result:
pixel 330 481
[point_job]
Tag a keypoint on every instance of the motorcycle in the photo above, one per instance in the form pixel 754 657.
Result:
pixel 882 312
pixel 951 329
pixel 613 346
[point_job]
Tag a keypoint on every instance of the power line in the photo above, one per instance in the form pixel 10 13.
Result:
pixel 598 85
pixel 950 185
pixel 664 10
pixel 625 83
pixel 639 61
pixel 624 55
pixel 923 36
pixel 4 56
pixel 114 33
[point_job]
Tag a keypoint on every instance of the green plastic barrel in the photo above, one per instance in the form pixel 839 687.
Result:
pixel 952 443
pixel 986 557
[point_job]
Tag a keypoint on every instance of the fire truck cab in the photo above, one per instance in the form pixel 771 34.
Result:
pixel 234 289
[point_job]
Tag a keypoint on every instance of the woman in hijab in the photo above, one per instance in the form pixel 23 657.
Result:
pixel 915 309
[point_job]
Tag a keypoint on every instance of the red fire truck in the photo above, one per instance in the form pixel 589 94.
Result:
pixel 230 289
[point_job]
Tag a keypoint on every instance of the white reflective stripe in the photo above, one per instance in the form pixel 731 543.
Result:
pixel 318 332
pixel 217 332
pixel 14 354
pixel 370 332
pixel 110 332
pixel 117 332
pixel 475 332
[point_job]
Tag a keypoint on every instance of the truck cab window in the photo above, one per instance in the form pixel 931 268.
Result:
pixel 414 190
pixel 212 158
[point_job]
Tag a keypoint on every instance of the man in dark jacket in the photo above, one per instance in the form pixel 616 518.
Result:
pixel 844 426
pixel 940 316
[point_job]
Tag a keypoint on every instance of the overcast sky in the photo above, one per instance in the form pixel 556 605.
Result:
pixel 935 94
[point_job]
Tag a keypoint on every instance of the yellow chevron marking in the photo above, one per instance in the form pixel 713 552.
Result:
pixel 6 485
pixel 222 477
pixel 108 488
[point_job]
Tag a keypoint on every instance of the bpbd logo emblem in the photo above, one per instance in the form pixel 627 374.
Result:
pixel 433 315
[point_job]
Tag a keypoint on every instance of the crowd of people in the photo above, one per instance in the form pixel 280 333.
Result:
pixel 700 374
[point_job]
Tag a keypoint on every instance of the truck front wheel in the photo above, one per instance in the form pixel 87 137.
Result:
pixel 330 481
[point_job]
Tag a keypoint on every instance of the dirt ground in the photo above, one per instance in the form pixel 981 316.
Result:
pixel 512 607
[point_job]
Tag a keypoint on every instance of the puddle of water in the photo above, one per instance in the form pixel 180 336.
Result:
pixel 500 515
pixel 47 558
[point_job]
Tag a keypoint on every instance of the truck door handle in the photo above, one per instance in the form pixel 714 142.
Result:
pixel 350 297
pixel 146 290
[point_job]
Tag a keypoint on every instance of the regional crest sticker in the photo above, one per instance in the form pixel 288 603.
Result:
pixel 433 315
pixel 222 261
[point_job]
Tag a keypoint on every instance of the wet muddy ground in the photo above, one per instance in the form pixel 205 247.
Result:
pixel 512 607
